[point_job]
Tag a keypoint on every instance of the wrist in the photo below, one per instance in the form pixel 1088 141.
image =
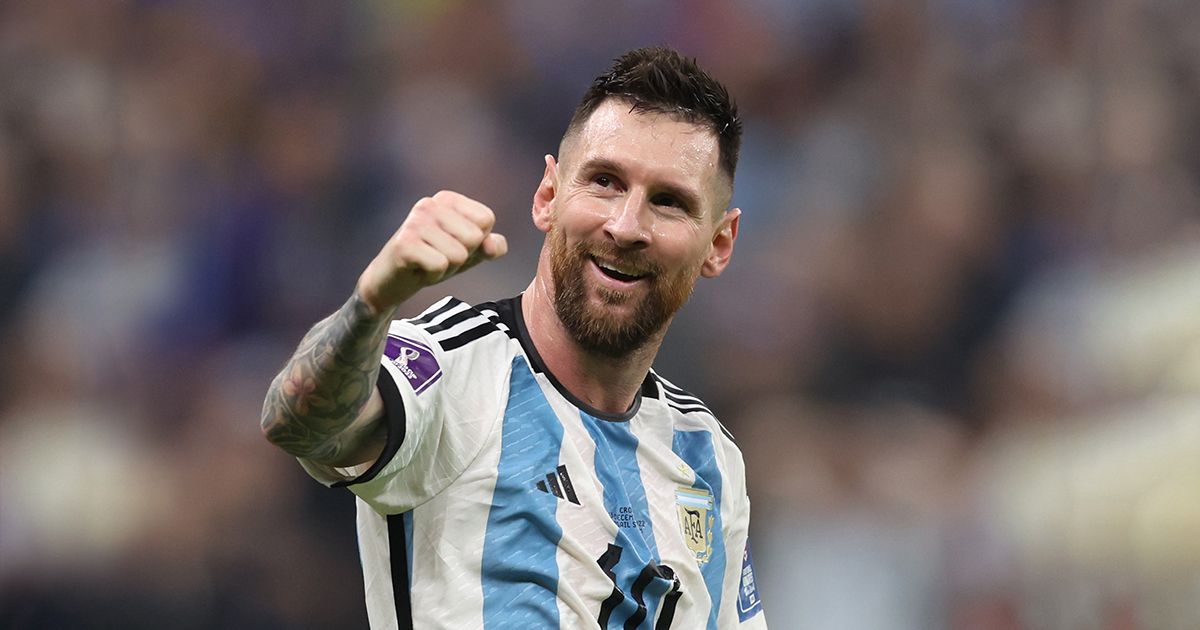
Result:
pixel 369 305
pixel 382 290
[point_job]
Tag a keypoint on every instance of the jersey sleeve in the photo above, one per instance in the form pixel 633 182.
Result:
pixel 442 399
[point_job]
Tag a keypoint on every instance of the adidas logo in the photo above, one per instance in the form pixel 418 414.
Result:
pixel 559 485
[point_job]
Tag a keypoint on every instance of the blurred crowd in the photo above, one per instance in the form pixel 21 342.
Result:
pixel 959 344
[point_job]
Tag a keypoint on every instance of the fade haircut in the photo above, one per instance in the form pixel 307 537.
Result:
pixel 661 80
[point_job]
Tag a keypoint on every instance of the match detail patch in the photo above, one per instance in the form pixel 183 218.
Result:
pixel 749 603
pixel 414 360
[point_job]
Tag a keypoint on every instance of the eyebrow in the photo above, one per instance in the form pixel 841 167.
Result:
pixel 684 194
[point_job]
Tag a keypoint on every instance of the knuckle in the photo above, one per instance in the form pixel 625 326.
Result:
pixel 403 237
pixel 487 218
pixel 417 221
pixel 420 211
pixel 424 204
pixel 444 196
pixel 475 237
pixel 401 254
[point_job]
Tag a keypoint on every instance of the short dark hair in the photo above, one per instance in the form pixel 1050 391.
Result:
pixel 657 79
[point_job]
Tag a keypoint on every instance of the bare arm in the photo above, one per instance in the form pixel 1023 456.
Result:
pixel 317 407
pixel 323 406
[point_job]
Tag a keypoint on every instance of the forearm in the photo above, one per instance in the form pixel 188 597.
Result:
pixel 321 406
pixel 312 405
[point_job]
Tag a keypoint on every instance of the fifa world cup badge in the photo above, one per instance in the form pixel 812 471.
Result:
pixel 414 360
pixel 696 516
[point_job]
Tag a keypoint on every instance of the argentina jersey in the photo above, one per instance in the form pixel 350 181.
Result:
pixel 502 501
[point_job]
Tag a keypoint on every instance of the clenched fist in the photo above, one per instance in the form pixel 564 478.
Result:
pixel 442 236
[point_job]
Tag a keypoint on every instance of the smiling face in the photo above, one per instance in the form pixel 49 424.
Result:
pixel 634 214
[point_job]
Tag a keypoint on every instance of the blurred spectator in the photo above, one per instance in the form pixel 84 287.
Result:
pixel 958 345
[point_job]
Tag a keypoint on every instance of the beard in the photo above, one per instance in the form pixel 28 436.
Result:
pixel 598 328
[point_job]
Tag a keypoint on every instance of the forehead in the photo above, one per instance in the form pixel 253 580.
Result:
pixel 650 143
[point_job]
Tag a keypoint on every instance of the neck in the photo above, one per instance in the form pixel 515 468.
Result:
pixel 606 383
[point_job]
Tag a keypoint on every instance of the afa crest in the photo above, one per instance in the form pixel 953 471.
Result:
pixel 695 507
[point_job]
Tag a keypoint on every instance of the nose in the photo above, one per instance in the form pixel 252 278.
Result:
pixel 627 225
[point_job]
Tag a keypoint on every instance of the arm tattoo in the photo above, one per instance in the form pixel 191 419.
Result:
pixel 324 386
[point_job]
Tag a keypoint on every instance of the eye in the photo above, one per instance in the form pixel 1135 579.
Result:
pixel 602 180
pixel 664 199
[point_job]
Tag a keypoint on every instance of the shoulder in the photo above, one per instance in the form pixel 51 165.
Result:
pixel 451 323
pixel 698 432
pixel 689 408
pixel 453 339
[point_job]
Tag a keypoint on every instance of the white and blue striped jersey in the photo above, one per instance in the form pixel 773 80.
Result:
pixel 502 501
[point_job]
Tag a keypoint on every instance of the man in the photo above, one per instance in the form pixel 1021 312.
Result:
pixel 518 463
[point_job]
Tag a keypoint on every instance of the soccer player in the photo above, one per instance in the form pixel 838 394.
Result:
pixel 517 463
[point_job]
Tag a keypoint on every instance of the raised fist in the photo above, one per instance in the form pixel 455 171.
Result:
pixel 443 235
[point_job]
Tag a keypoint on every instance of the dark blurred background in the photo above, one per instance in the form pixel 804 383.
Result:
pixel 959 344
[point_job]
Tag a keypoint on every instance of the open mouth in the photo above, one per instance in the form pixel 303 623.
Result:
pixel 618 272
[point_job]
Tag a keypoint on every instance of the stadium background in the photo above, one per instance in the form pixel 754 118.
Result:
pixel 959 343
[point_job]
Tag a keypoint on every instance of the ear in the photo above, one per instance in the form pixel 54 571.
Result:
pixel 543 199
pixel 722 244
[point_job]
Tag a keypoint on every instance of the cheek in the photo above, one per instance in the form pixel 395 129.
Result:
pixel 595 212
pixel 687 243
pixel 681 261
pixel 584 213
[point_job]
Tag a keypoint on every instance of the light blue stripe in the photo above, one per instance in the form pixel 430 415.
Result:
pixel 625 500
pixel 693 502
pixel 520 574
pixel 696 448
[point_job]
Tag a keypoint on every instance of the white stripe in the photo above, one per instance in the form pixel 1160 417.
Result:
pixel 436 305
pixel 663 473
pixel 495 317
pixel 690 406
pixel 676 391
pixel 375 555
pixel 441 562
pixel 587 528
pixel 456 309
pixel 685 410
pixel 681 398
pixel 461 327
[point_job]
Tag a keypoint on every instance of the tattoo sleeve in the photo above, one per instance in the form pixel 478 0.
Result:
pixel 311 407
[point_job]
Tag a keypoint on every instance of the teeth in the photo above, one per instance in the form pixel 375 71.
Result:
pixel 625 272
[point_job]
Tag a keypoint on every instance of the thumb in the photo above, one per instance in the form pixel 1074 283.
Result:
pixel 494 246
